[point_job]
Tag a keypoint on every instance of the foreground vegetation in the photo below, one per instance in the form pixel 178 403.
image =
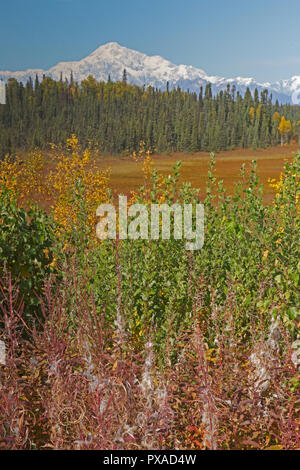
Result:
pixel 142 344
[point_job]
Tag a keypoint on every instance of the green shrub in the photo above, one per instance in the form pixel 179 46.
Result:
pixel 26 248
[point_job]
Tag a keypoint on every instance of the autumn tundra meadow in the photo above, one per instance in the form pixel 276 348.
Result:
pixel 120 334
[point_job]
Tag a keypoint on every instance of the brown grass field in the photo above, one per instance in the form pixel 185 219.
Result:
pixel 126 175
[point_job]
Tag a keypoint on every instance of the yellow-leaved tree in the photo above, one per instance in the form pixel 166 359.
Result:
pixel 24 178
pixel 73 185
pixel 77 181
pixel 252 114
pixel 285 127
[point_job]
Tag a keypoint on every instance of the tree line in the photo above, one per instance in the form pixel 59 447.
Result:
pixel 115 117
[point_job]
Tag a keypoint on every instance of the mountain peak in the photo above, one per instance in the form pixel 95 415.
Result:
pixel 111 58
pixel 109 46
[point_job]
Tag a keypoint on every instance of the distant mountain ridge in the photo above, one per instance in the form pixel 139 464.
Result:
pixel 112 58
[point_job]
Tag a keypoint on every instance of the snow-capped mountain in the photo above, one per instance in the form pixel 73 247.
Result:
pixel 111 59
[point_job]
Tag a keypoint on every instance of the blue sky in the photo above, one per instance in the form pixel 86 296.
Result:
pixel 257 38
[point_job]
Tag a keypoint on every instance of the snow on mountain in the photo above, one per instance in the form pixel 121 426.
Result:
pixel 290 87
pixel 111 59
